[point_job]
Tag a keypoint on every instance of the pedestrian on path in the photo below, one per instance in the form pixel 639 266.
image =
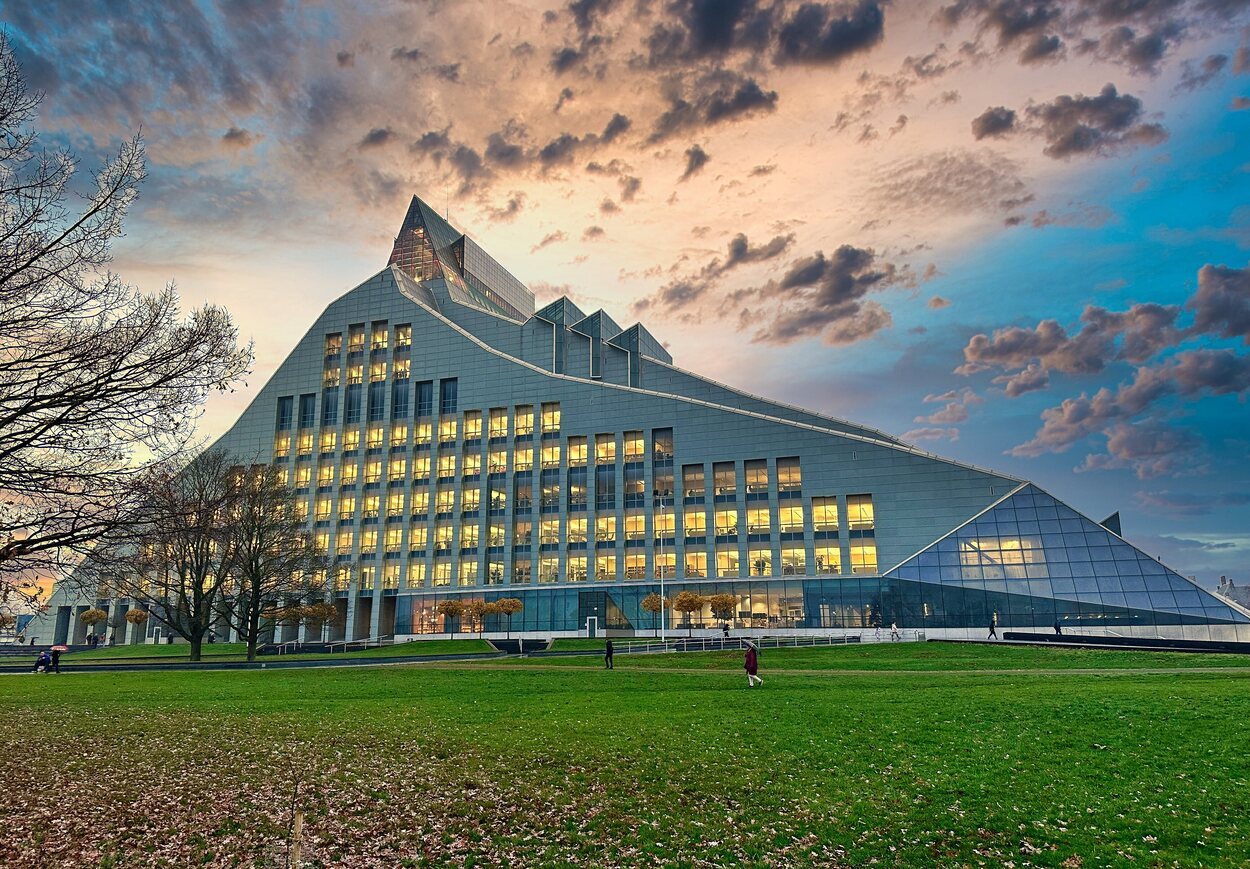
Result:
pixel 993 628
pixel 894 632
pixel 56 661
pixel 607 656
pixel 1058 629
pixel 752 666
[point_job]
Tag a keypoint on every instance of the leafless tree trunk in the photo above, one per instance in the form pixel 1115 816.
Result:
pixel 99 383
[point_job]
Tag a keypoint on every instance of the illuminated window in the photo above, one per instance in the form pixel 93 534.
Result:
pixel 342 578
pixel 421 467
pixel 695 523
pixel 828 558
pixel 860 517
pixel 494 573
pixel 379 336
pixel 469 535
pixel 864 556
pixel 470 499
pixel 447 427
pixel 375 437
pixel 727 561
pixel 789 477
pixel 791 519
pixel 416 574
pixel 303 476
pixel 322 510
pixel 724 478
pixel 395 504
pixel 793 561
pixel 759 521
pixel 760 559
pixel 301 510
pixel 551 456
pixel 635 565
pixel 282 446
pixel 397 470
pixel 444 534
pixel 351 440
pixel 577 529
pixel 420 502
pixel 472 464
pixel 577 568
pixel 825 514
pixel 399 434
pixel 497 463
pixel 524 419
pixel 355 373
pixel 447 465
pixel 390 576
pixel 756 475
pixel 549 531
pixel 665 522
pixel 321 542
pixel 349 474
pixel 577 452
pixel 419 537
pixel 524 459
pixel 605 529
pixel 605 449
pixel 495 534
pixel 329 440
pixel 692 481
pixel 347 508
pixel 521 571
pixel 373 471
pixel 304 443
pixel 442 572
pixel 334 343
pixel 498 422
pixel 356 338
pixel 331 376
pixel 550 491
pixel 498 496
pixel 370 508
pixel 368 577
pixel 377 370
pixel 548 569
pixel 445 501
pixel 696 564
pixel 423 433
pixel 661 444
pixel 403 335
pixel 472 425
pixel 343 545
pixel 284 476
pixel 635 526
pixel 634 446
pixel 666 564
pixel 394 542
pixel 551 417
pixel 605 567
pixel 522 532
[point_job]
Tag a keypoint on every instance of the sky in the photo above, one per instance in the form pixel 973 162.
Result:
pixel 1015 232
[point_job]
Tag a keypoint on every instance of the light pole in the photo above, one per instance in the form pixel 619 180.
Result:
pixel 660 571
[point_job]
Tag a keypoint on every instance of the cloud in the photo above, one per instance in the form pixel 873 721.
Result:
pixel 1032 378
pixel 930 433
pixel 1240 104
pixel 948 182
pixel 345 59
pixel 403 54
pixel 607 206
pixel 592 233
pixel 696 159
pixel 564 59
pixel 509 210
pixel 1199 76
pixel 1221 305
pixel 1189 503
pixel 680 297
pixel 827 35
pixel 565 96
pixel 719 97
pixel 1149 448
pixel 239 138
pixel 993 122
pixel 550 239
pixel 377 137
pixel 937 303
pixel 955 407
pixel 1099 125
pixel 630 186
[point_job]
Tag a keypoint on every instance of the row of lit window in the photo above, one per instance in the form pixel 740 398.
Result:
pixel 603 567
pixel 378 338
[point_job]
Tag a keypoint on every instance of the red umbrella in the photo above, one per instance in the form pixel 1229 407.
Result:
pixel 60 648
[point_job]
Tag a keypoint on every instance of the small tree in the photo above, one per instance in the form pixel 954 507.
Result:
pixel 510 606
pixel 138 618
pixel 655 605
pixel 688 602
pixel 320 613
pixel 93 617
pixel 724 606
pixel 475 609
pixel 492 608
pixel 450 609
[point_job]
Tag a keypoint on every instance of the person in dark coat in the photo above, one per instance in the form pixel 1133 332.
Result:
pixel 42 663
pixel 607 656
pixel 993 628
pixel 56 660
pixel 752 666
pixel 1058 629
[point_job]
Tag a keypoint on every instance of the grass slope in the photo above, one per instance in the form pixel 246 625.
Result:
pixel 238 652
pixel 416 766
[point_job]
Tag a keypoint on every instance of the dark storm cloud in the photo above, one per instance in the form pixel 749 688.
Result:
pixel 1102 124
pixel 1221 305
pixel 1042 48
pixel 995 121
pixel 708 100
pixel 565 96
pixel 617 126
pixel 377 137
pixel 345 59
pixel 699 29
pixel 564 59
pixel 696 159
pixel 822 34
pixel 236 137
pixel 585 13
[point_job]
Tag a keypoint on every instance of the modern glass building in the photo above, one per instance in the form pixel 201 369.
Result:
pixel 446 440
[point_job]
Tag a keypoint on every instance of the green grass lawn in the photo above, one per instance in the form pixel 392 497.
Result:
pixel 533 766
pixel 180 652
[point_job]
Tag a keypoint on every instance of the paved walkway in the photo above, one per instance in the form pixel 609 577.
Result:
pixel 703 671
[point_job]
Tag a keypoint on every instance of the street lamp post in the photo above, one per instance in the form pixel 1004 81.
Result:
pixel 660 565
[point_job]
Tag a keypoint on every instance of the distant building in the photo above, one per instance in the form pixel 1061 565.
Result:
pixel 1238 594
pixel 446 439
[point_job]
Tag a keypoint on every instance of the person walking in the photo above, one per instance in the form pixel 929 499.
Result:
pixel 56 661
pixel 993 628
pixel 894 636
pixel 752 666
pixel 1058 629
pixel 607 656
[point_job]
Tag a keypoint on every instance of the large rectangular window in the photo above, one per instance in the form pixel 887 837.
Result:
pixel 724 478
pixel 577 452
pixel 330 407
pixel 759 521
pixel 692 481
pixel 634 446
pixel 351 412
pixel 403 335
pixel 859 514
pixel 551 417
pixel 605 449
pixel 695 522
pixel 308 410
pixel 605 567
pixel 789 477
pixel 425 398
pixel 828 558
pixel 577 568
pixel 635 565
pixel 756 476
pixel 334 343
pixel 448 395
pixel 442 572
pixel 727 561
pixel 793 561
pixel 864 556
pixel 726 522
pixel 696 564
pixel 524 420
pixel 605 487
pixel 399 400
pixel 472 425
pixel 760 559
pixel 286 406
pixel 791 517
pixel 521 570
pixel 662 444
pixel 498 422
pixel 825 514
pixel 379 335
pixel 576 532
pixel 605 529
pixel 356 338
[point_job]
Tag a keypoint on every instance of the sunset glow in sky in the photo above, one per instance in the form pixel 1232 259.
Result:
pixel 1016 232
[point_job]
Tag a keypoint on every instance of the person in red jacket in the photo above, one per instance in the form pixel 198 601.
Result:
pixel 752 666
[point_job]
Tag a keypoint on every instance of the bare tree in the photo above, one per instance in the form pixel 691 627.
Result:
pixel 274 556
pixel 99 383
pixel 178 560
